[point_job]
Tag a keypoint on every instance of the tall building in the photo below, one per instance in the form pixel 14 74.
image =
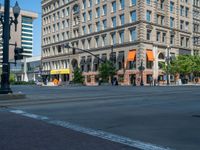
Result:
pixel 24 35
pixel 140 32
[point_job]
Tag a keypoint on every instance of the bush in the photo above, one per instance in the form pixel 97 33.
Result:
pixel 23 83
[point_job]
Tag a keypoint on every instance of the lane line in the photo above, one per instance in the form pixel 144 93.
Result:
pixel 96 133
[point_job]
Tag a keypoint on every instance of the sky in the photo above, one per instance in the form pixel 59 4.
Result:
pixel 34 6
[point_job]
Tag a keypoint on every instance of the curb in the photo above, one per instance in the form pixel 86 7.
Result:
pixel 12 96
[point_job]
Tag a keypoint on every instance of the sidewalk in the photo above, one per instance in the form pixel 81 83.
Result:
pixel 21 133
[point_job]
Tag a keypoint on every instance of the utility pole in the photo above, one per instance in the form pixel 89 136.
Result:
pixel 168 59
pixel 5 84
pixel 7 21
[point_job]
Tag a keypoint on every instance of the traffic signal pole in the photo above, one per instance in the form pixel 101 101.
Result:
pixel 7 21
pixel 5 84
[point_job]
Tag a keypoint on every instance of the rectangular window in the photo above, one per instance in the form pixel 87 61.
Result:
pixel 114 22
pixel 122 19
pixel 122 4
pixel 104 9
pixel 133 36
pixel 114 7
pixel 104 24
pixel 121 35
pixel 133 16
pixel 148 34
pixel 148 16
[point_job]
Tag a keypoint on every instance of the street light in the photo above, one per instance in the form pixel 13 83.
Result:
pixel 7 21
pixel 141 69
pixel 16 12
pixel 168 60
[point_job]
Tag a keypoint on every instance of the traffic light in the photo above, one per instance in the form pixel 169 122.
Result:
pixel 18 53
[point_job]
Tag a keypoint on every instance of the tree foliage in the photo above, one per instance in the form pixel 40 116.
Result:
pixel 184 65
pixel 78 77
pixel 106 70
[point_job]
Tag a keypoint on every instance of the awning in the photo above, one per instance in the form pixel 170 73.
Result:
pixel 60 71
pixel 82 62
pixel 89 60
pixel 150 55
pixel 131 55
pixel 120 57
pixel 96 60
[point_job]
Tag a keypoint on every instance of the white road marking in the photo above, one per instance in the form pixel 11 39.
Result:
pixel 96 133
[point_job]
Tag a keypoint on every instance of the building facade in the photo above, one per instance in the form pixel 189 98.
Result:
pixel 28 69
pixel 139 32
pixel 24 35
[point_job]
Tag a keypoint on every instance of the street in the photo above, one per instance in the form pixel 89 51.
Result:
pixel 165 117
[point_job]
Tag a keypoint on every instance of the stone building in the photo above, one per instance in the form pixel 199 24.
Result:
pixel 24 35
pixel 140 32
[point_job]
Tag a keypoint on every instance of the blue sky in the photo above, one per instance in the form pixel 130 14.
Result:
pixel 35 6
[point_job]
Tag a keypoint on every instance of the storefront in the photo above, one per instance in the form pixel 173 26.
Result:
pixel 61 75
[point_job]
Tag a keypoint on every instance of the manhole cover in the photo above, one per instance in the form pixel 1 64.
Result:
pixel 196 116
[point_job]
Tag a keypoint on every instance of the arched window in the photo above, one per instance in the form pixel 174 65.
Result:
pixel 161 56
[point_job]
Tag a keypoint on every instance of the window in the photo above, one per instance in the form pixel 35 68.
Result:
pixel 97 42
pixel 182 41
pixel 148 34
pixel 158 36
pixel 133 16
pixel 133 2
pixel 98 12
pixel 122 19
pixel 114 23
pixel 113 36
pixel 114 8
pixel 104 10
pixel 187 42
pixel 84 17
pixel 98 26
pixel 122 4
pixel 104 24
pixel 171 7
pixel 171 22
pixel 181 24
pixel 90 15
pixel 133 35
pixel 148 16
pixel 121 35
pixel 164 37
pixel 148 2
pixel 186 12
pixel 172 39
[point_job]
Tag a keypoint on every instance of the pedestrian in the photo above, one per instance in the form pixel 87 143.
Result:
pixel 158 80
pixel 151 81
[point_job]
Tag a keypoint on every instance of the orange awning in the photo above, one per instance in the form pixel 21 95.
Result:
pixel 131 55
pixel 150 55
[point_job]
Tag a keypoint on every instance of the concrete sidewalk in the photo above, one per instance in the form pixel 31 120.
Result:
pixel 21 133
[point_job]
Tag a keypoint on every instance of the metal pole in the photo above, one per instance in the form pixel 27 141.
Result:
pixel 142 82
pixel 112 60
pixel 5 84
pixel 168 66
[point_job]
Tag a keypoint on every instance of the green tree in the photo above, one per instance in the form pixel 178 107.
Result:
pixel 12 78
pixel 195 68
pixel 106 70
pixel 78 77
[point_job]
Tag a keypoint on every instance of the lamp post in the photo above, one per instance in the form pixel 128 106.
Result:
pixel 141 69
pixel 7 21
pixel 168 59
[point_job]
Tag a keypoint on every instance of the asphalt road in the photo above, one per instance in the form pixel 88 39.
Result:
pixel 163 116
